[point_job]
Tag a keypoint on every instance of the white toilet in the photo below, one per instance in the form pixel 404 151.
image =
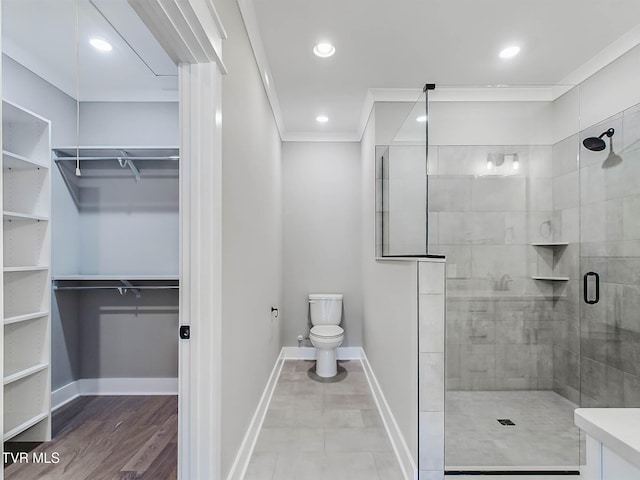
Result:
pixel 326 335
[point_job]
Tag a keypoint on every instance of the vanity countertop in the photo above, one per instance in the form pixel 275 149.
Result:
pixel 616 428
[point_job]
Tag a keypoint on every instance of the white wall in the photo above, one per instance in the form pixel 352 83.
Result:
pixel 321 233
pixel 251 235
pixel 389 290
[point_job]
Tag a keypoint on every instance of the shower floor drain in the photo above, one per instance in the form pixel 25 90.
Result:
pixel 505 422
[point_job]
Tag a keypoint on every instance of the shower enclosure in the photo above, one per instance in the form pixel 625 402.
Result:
pixel 542 242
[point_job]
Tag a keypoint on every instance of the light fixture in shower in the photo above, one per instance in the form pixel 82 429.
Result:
pixel 421 119
pixel 494 160
pixel 513 159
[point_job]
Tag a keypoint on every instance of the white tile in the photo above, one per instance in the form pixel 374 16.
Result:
pixel 431 322
pixel 432 475
pixel 431 382
pixel 431 441
pixel 431 277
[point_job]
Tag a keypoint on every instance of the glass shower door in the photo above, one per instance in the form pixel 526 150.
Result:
pixel 610 262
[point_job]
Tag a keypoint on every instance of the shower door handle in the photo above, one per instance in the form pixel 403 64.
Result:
pixel 586 286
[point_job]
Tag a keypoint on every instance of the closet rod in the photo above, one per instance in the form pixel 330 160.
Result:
pixel 123 157
pixel 116 287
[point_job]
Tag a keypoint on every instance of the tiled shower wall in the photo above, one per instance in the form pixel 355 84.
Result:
pixel 499 320
pixel 431 326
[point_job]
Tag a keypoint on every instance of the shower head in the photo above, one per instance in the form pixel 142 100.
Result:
pixel 597 144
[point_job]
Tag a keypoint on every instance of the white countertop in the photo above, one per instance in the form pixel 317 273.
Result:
pixel 617 428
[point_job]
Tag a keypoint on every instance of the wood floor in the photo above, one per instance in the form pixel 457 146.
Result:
pixel 109 438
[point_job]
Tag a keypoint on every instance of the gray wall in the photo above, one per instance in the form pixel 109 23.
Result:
pixel 251 236
pixel 390 297
pixel 129 124
pixel 129 228
pixel 321 233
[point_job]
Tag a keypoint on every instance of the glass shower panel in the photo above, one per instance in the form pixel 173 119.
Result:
pixel 610 256
pixel 401 186
pixel 492 212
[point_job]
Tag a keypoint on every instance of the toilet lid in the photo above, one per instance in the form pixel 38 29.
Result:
pixel 327 331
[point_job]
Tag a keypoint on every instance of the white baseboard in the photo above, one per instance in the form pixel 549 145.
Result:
pixel 64 395
pixel 407 463
pixel 309 353
pixel 241 462
pixel 113 386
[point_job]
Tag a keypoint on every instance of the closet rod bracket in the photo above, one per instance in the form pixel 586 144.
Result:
pixel 128 288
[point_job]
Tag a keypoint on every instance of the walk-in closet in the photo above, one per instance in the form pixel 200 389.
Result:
pixel 90 194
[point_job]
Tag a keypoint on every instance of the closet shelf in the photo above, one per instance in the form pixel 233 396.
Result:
pixel 23 216
pixel 91 278
pixel 25 373
pixel 25 425
pixel 19 162
pixel 36 268
pixel 25 317
pixel 122 283
pixel 110 158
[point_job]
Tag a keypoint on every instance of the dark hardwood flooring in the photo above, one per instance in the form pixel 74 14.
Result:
pixel 109 438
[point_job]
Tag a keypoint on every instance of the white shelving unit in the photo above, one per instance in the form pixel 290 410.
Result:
pixel 26 205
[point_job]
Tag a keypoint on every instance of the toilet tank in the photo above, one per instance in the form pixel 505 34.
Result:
pixel 325 308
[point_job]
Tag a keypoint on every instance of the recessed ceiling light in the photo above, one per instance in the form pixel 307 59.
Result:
pixel 510 52
pixel 101 44
pixel 322 119
pixel 421 119
pixel 324 49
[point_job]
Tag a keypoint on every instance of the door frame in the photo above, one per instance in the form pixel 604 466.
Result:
pixel 191 32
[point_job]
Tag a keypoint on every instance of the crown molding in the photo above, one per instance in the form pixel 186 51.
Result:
pixel 608 55
pixel 321 137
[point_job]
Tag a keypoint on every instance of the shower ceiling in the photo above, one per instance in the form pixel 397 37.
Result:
pixel 403 44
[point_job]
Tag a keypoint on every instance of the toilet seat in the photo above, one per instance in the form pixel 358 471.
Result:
pixel 327 331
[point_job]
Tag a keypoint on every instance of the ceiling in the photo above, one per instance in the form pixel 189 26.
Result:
pixel 137 69
pixel 403 44
pixel 385 50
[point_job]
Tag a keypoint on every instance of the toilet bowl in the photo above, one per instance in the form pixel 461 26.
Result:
pixel 326 335
pixel 326 339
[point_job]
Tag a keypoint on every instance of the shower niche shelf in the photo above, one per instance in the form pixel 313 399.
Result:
pixel 550 244
pixel 551 279
pixel 549 254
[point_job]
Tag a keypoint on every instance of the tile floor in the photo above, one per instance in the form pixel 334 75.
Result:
pixel 544 434
pixel 316 430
